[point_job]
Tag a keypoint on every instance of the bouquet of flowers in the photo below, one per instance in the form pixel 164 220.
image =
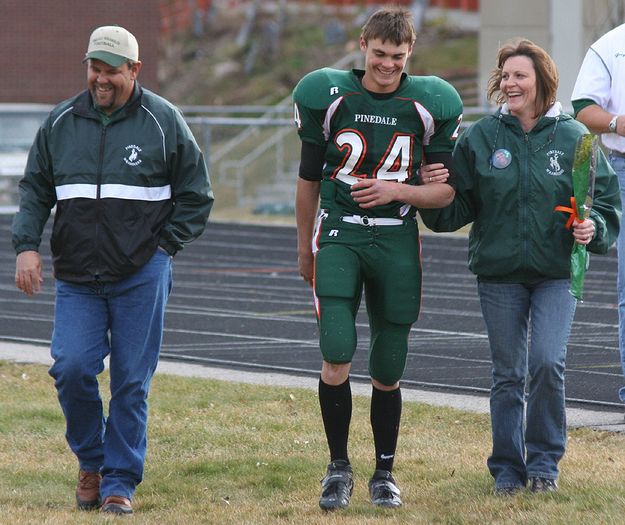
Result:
pixel 584 171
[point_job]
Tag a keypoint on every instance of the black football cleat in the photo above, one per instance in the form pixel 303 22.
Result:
pixel 383 490
pixel 336 486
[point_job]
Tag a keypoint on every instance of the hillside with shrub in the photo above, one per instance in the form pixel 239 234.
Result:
pixel 242 57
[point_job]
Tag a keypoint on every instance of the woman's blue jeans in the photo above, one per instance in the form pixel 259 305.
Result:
pixel 528 329
pixel 123 319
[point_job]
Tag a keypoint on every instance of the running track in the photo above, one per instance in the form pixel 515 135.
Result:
pixel 238 302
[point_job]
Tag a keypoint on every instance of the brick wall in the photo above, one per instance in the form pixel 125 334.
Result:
pixel 43 44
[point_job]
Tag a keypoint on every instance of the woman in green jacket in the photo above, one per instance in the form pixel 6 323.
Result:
pixel 512 169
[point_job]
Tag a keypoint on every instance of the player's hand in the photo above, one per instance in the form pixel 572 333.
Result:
pixel 28 272
pixel 374 192
pixel 433 173
pixel 584 231
pixel 306 266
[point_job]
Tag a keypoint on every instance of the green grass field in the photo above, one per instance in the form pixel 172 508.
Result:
pixel 227 453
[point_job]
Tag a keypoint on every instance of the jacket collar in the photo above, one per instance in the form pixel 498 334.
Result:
pixel 554 111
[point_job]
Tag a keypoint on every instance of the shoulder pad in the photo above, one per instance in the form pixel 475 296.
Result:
pixel 439 97
pixel 318 89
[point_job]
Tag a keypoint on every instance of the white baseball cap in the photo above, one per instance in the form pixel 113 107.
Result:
pixel 113 45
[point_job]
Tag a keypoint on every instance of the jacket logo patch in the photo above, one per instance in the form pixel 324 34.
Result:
pixel 554 168
pixel 132 157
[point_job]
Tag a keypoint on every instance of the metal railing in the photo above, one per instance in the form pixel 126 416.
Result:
pixel 252 151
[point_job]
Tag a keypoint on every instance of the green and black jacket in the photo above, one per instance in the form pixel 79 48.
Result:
pixel 122 186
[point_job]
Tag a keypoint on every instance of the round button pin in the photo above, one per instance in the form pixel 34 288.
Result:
pixel 501 158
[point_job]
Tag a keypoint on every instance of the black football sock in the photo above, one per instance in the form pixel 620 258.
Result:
pixel 336 411
pixel 385 417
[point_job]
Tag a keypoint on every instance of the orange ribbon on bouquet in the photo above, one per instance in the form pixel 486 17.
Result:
pixel 572 210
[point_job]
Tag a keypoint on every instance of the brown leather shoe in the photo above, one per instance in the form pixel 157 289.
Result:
pixel 88 490
pixel 116 505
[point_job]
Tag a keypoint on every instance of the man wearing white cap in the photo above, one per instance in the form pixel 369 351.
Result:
pixel 130 187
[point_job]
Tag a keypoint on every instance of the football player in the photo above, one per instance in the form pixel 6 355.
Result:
pixel 365 134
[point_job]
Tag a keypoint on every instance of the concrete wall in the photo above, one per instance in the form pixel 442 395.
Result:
pixel 564 28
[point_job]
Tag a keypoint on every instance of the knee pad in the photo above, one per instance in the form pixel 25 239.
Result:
pixel 387 353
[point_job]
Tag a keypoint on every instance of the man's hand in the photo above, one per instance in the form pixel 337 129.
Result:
pixel 28 272
pixel 375 192
pixel 306 203
pixel 306 266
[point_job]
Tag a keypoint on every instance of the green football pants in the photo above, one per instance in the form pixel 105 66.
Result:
pixel 385 262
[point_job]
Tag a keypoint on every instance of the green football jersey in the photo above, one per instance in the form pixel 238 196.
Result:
pixel 369 136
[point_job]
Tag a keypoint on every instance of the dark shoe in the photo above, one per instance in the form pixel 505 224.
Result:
pixel 336 486
pixel 543 485
pixel 116 505
pixel 508 491
pixel 383 490
pixel 88 490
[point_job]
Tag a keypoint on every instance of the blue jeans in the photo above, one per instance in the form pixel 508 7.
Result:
pixel 618 163
pixel 528 441
pixel 123 319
